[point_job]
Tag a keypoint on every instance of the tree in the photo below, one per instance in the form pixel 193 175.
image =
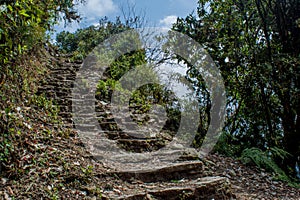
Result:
pixel 23 24
pixel 83 41
pixel 256 47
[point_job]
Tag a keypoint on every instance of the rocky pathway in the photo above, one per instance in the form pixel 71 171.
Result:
pixel 174 179
pixel 58 85
pixel 185 177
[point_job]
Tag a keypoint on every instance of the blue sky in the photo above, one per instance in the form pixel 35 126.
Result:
pixel 160 13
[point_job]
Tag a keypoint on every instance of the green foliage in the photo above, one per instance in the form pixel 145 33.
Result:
pixel 117 69
pixel 266 160
pixel 6 146
pixel 23 27
pixel 10 127
pixel 23 24
pixel 47 105
pixel 83 41
pixel 255 44
pixel 18 20
pixel 87 171
pixel 228 145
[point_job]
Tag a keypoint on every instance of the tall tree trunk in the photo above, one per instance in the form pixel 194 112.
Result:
pixel 291 133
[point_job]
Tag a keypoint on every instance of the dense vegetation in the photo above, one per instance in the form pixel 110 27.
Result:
pixel 83 41
pixel 23 34
pixel 256 46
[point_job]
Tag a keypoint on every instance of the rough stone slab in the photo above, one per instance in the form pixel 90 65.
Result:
pixel 141 145
pixel 202 188
pixel 172 172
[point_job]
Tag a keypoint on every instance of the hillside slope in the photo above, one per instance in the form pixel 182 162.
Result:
pixel 51 162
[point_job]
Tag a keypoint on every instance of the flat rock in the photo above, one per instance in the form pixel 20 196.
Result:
pixel 167 173
pixel 202 188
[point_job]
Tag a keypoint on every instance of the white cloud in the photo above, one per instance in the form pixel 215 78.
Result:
pixel 91 12
pixel 168 21
pixel 94 9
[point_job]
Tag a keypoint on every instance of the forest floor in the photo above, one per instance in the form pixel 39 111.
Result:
pixel 61 168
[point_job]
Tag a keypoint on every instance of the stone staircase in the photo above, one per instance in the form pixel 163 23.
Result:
pixel 58 84
pixel 127 135
pixel 182 178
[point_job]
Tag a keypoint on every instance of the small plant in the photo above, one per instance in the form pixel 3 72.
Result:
pixel 42 102
pixel 264 159
pixel 88 170
pixel 6 145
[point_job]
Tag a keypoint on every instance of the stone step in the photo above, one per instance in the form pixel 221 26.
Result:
pixel 65 109
pixel 68 124
pixel 86 127
pixel 62 78
pixel 201 188
pixel 114 135
pixel 86 115
pixel 108 118
pixel 120 134
pixel 67 120
pixel 63 70
pixel 65 102
pixel 69 114
pixel 61 83
pixel 141 145
pixel 109 126
pixel 172 171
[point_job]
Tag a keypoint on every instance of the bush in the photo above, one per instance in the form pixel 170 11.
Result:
pixel 265 160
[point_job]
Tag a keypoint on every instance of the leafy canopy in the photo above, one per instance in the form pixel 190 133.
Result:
pixel 256 47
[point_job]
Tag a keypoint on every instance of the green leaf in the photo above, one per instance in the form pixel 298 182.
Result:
pixel 10 8
pixel 23 12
